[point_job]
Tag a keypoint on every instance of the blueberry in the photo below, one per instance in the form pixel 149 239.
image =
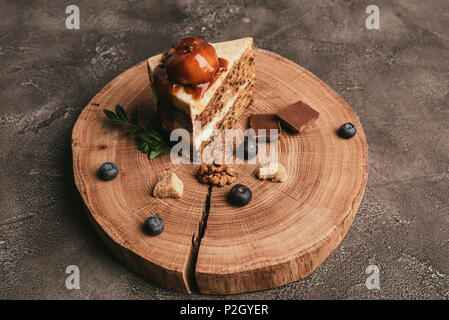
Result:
pixel 153 225
pixel 240 195
pixel 347 130
pixel 248 149
pixel 108 171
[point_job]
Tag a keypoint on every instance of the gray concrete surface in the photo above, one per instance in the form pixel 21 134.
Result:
pixel 395 78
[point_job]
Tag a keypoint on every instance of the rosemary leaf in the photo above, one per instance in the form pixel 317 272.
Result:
pixel 142 145
pixel 121 113
pixel 109 114
pixel 154 154
pixel 150 135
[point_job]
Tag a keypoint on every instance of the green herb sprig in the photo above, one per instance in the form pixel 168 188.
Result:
pixel 149 141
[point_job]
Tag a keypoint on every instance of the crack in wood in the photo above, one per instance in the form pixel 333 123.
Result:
pixel 191 282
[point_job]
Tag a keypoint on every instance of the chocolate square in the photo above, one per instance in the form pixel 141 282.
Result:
pixel 265 121
pixel 298 116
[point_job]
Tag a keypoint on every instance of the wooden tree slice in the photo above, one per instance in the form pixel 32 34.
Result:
pixel 286 231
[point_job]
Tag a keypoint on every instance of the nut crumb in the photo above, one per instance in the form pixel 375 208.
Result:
pixel 169 186
pixel 216 174
pixel 274 172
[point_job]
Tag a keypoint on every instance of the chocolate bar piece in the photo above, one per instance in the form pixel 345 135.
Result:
pixel 298 116
pixel 265 121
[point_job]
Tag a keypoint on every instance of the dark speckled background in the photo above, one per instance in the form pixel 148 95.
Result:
pixel 395 78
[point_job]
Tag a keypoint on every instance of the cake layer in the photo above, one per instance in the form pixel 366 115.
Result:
pixel 172 118
pixel 232 52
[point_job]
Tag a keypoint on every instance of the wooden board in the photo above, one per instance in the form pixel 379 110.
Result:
pixel 286 231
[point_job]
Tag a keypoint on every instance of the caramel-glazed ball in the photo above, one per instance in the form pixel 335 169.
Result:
pixel 191 61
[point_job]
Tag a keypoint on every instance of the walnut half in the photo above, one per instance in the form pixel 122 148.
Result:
pixel 216 174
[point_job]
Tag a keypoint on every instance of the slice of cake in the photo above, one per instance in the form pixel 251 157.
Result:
pixel 198 81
